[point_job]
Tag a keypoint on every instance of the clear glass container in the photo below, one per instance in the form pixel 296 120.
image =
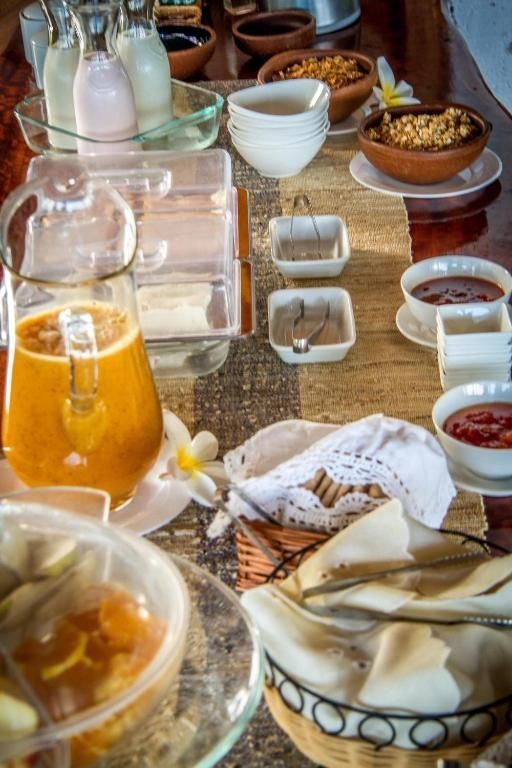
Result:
pixel 185 710
pixel 94 632
pixel 145 59
pixel 195 124
pixel 193 282
pixel 80 402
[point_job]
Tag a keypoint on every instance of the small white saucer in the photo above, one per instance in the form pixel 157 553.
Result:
pixel 413 330
pixel 350 124
pixel 486 169
pixel 467 481
pixel 156 502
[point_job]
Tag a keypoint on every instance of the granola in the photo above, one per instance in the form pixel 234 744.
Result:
pixel 431 132
pixel 334 71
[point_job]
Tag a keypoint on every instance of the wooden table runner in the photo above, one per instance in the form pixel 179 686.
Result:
pixel 383 372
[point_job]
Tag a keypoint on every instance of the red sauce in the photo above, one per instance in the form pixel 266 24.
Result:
pixel 488 425
pixel 457 289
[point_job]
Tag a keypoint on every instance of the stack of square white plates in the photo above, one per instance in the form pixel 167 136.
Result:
pixel 474 343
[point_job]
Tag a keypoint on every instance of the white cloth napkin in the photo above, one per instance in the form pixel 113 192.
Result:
pixel 403 459
pixel 391 666
pixel 169 309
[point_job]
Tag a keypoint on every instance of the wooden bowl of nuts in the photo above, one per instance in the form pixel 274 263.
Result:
pixel 423 143
pixel 349 74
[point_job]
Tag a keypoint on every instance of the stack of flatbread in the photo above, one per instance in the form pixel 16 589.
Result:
pixel 392 666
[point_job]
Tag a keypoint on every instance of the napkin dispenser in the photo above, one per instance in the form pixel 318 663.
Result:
pixel 194 278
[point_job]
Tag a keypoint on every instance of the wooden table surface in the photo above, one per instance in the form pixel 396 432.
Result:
pixel 422 48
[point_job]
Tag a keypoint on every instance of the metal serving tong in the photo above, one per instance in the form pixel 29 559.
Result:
pixel 301 344
pixel 338 585
pixel 368 614
pixel 298 201
pixel 221 502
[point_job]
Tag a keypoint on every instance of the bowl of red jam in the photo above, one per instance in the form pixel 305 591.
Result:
pixel 453 279
pixel 474 426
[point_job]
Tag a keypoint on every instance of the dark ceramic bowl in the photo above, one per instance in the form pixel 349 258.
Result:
pixel 415 166
pixel 264 34
pixel 344 100
pixel 189 47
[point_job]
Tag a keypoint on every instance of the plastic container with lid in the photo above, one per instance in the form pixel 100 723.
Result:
pixel 93 630
pixel 191 275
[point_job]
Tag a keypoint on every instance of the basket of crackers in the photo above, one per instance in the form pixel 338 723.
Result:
pixel 296 483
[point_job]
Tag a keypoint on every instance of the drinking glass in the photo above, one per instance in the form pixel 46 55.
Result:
pixel 80 402
pixel 238 7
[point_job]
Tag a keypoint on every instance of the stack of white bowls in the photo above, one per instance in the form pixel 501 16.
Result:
pixel 279 127
pixel 474 343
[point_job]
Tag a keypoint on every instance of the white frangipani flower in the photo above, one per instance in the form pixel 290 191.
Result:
pixel 191 461
pixel 391 94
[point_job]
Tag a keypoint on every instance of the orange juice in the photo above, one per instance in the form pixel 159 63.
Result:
pixel 113 445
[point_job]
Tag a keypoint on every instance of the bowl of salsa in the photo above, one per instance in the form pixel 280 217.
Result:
pixel 474 426
pixel 453 279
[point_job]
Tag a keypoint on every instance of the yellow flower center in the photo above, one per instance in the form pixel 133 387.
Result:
pixel 388 93
pixel 186 461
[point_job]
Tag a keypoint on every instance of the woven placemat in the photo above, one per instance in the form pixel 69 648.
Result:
pixel 382 373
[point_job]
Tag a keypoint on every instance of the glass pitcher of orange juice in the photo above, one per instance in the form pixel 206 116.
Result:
pixel 80 402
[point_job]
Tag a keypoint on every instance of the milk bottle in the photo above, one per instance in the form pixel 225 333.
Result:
pixel 145 59
pixel 59 73
pixel 102 93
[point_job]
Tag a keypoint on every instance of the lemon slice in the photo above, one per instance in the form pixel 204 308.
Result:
pixel 73 658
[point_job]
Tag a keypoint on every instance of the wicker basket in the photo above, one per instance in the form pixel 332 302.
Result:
pixel 289 545
pixel 254 568
pixel 178 14
pixel 337 752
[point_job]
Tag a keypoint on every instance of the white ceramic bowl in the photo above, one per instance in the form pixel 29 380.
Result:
pixel 474 329
pixel 326 258
pixel 280 161
pixel 272 137
pixel 494 463
pixel 341 329
pixel 444 266
pixel 243 123
pixel 285 100
pixel 283 141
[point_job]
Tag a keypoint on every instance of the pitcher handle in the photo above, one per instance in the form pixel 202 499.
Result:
pixel 4 334
pixel 84 414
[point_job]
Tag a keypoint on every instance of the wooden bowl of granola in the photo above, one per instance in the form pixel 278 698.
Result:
pixel 423 143
pixel 349 74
